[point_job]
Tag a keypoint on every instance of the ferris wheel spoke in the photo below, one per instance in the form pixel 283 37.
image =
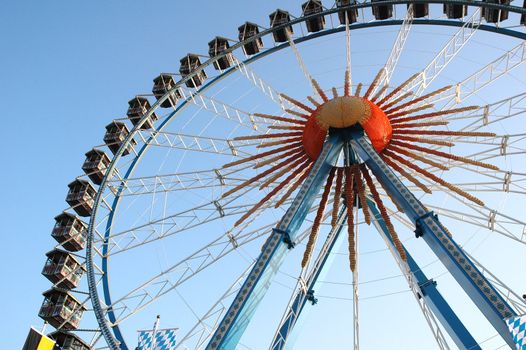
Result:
pixel 261 84
pixel 486 218
pixel 307 279
pixel 396 51
pixel 194 143
pixel 180 222
pixel 185 269
pixel 302 65
pixel 516 301
pixel 417 282
pixel 446 55
pixel 483 77
pixel 204 328
pixel 220 109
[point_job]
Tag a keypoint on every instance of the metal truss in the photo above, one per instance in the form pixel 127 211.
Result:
pixel 193 143
pixel 208 322
pixel 446 55
pixel 219 108
pixel 261 84
pixel 483 77
pixel 172 224
pixel 185 269
pixel 397 49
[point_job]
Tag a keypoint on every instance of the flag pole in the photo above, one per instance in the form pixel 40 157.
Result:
pixel 155 328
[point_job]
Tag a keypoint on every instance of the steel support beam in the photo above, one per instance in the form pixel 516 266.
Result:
pixel 305 293
pixel 428 290
pixel 231 328
pixel 477 287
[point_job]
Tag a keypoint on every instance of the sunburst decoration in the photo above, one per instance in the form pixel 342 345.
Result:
pixel 394 126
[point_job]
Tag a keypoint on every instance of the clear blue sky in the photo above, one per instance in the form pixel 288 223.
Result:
pixel 68 68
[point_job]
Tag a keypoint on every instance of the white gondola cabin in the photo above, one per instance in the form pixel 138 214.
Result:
pixel 352 15
pixel 137 107
pixel 69 341
pixel 247 31
pixel 216 47
pixel 61 309
pixel 95 165
pixel 116 133
pixel 70 232
pixel 312 7
pixel 494 15
pixel 62 269
pixel 81 196
pixel 278 18
pixel 189 64
pixel 161 85
pixel 455 11
pixel 382 12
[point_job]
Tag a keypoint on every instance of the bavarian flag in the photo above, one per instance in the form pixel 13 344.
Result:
pixel 38 341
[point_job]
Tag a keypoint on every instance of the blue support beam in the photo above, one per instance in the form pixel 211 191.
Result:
pixel 436 302
pixel 304 295
pixel 438 305
pixel 478 288
pixel 232 326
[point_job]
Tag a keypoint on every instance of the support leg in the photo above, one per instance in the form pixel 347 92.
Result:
pixel 478 288
pixel 231 328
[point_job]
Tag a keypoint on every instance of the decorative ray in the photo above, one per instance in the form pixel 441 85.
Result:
pixel 399 88
pixel 337 196
pixel 395 120
pixel 280 173
pixel 349 202
pixel 280 142
pixel 415 156
pixel 358 89
pixel 379 76
pixel 302 176
pixel 445 155
pixel 396 100
pixel 319 90
pixel 281 119
pixel 260 176
pixel 434 177
pixel 271 194
pixel 297 103
pixel 418 100
pixel 287 147
pixel 296 113
pixel 419 125
pixel 409 111
pixel 383 212
pixel 317 220
pixel 361 193
pixel 295 151
pixel 422 140
pixel 267 136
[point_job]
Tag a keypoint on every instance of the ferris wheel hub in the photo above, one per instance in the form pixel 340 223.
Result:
pixel 343 112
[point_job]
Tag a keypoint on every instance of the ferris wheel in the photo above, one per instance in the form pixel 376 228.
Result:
pixel 350 175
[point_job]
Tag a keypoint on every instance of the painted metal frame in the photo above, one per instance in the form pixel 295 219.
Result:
pixel 115 341
pixel 489 301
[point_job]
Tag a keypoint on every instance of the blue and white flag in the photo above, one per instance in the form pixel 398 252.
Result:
pixel 517 326
pixel 164 340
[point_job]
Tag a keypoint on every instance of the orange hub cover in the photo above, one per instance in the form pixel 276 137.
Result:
pixel 346 111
